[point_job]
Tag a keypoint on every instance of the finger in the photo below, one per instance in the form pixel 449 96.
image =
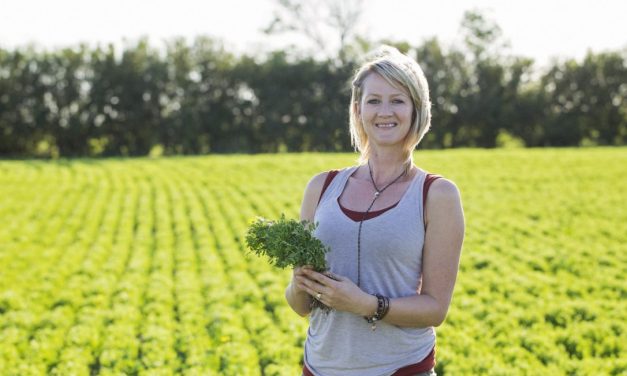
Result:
pixel 301 287
pixel 305 278
pixel 333 276
pixel 301 281
pixel 323 279
pixel 301 268
pixel 299 273
pixel 324 299
pixel 318 277
pixel 312 292
pixel 314 285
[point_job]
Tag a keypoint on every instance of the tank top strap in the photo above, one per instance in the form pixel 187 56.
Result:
pixel 429 179
pixel 330 175
pixel 336 182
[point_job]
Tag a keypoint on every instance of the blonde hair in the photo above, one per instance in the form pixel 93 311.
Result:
pixel 401 71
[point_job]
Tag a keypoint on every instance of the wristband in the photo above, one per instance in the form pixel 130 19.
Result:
pixel 383 306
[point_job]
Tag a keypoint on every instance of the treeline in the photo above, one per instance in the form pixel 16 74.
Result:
pixel 197 97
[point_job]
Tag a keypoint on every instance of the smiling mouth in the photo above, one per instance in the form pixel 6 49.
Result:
pixel 386 125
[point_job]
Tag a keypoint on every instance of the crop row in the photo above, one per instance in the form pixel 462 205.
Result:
pixel 138 266
pixel 141 277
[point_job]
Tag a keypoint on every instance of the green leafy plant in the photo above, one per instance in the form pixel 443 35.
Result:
pixel 288 243
pixel 118 277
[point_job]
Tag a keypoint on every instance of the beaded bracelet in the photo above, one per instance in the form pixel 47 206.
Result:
pixel 383 306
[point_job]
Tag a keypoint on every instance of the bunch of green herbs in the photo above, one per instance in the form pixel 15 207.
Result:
pixel 288 243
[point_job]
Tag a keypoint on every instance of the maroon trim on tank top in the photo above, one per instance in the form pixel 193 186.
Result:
pixel 357 215
pixel 423 366
pixel 330 175
pixel 428 181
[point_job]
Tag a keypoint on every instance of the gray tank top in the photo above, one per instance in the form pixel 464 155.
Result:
pixel 341 343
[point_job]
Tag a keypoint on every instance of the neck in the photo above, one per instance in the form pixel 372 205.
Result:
pixel 387 166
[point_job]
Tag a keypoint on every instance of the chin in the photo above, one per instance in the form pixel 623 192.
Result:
pixel 388 143
pixel 388 140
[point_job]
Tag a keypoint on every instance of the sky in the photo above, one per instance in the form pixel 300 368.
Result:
pixel 540 29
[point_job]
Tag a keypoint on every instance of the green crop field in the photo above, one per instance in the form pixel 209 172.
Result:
pixel 138 266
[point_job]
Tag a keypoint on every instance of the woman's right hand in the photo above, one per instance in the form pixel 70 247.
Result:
pixel 296 295
pixel 299 279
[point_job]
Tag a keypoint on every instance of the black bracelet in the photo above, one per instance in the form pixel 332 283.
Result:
pixel 386 307
pixel 383 306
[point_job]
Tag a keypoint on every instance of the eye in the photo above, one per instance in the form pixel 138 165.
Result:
pixel 399 101
pixel 373 101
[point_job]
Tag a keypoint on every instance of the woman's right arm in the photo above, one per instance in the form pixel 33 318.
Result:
pixel 295 294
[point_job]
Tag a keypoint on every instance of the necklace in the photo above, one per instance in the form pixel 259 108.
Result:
pixel 377 193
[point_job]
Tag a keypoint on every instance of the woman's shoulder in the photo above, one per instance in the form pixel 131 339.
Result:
pixel 444 195
pixel 318 180
pixel 313 192
pixel 437 183
pixel 443 203
pixel 443 188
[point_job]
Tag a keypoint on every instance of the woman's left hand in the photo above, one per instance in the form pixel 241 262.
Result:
pixel 339 293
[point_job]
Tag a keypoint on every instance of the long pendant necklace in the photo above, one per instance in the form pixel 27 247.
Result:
pixel 377 193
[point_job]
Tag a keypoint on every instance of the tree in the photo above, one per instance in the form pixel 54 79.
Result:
pixel 67 100
pixel 482 36
pixel 448 74
pixel 297 106
pixel 585 102
pixel 494 82
pixel 24 116
pixel 318 19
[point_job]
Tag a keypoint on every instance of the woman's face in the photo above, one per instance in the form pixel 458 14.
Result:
pixel 385 111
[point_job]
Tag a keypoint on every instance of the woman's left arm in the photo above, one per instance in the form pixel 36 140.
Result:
pixel 440 260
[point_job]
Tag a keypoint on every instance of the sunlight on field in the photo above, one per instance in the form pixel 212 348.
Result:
pixel 137 266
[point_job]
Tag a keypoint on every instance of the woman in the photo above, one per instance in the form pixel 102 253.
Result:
pixel 394 250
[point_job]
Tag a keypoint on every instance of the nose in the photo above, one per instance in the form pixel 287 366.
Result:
pixel 385 109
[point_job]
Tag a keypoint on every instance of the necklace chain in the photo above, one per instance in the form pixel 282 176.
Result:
pixel 377 193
